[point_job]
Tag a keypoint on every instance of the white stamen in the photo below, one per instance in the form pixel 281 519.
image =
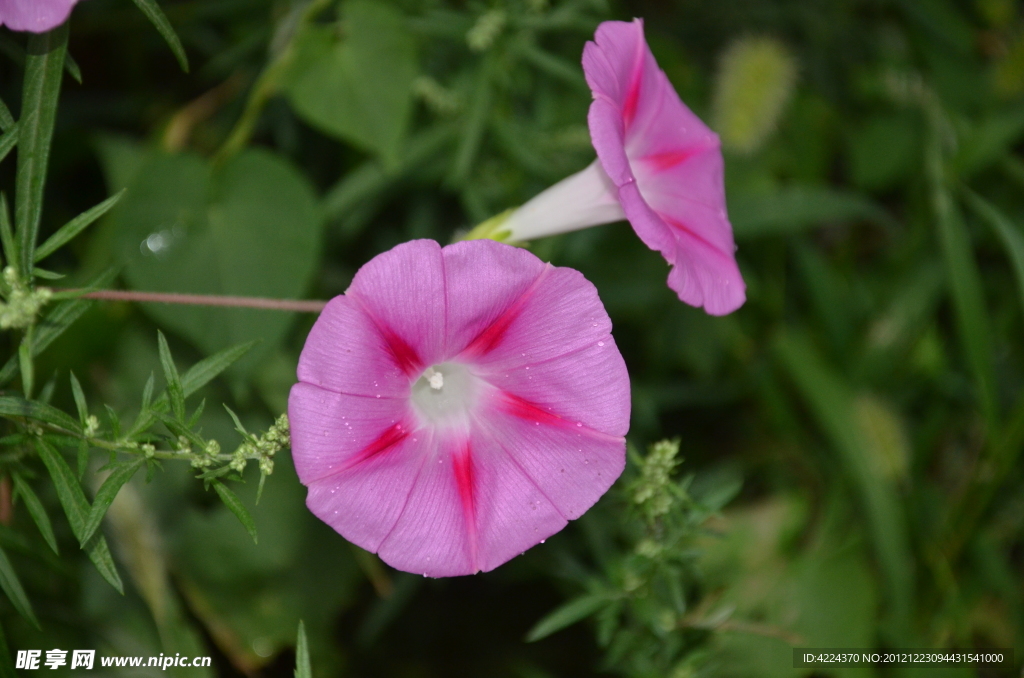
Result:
pixel 436 380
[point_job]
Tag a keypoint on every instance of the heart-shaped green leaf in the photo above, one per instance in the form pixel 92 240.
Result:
pixel 356 85
pixel 249 228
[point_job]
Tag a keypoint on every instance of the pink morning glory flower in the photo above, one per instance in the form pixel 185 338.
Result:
pixel 37 16
pixel 657 165
pixel 458 405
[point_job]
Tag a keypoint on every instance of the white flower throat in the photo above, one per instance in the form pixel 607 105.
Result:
pixel 445 394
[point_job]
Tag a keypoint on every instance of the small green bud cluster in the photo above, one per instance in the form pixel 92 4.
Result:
pixel 263 448
pixel 92 426
pixel 23 304
pixel 436 96
pixel 207 455
pixel 653 491
pixel 486 30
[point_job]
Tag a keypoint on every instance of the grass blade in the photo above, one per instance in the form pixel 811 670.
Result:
pixel 107 493
pixel 1008 232
pixel 12 587
pixel 76 507
pixel 965 284
pixel 303 669
pixel 36 510
pixel 7 232
pixel 44 69
pixel 235 505
pixel 568 614
pixel 832 404
pixel 159 20
pixel 71 229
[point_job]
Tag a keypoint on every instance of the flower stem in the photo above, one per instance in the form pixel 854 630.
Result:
pixel 296 305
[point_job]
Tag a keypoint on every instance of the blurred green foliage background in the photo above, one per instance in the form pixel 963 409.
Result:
pixel 868 397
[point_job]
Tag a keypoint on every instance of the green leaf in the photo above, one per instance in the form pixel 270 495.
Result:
pixel 105 496
pixel 235 505
pixel 833 406
pixel 6 119
pixel 77 509
pixel 157 17
pixel 36 510
pixel 44 69
pixel 13 406
pixel 989 141
pixel 358 87
pixel 1009 233
pixel 964 282
pixel 175 394
pixel 80 404
pixel 302 665
pixel 567 615
pixel 249 227
pixel 71 66
pixel 798 208
pixel 71 229
pixel 8 141
pixel 12 587
pixel 26 364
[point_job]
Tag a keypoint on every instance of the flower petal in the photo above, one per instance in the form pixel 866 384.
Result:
pixel 403 291
pixel 572 465
pixel 589 386
pixel 346 352
pixel 558 314
pixel 484 279
pixel 364 502
pixel 37 16
pixel 334 431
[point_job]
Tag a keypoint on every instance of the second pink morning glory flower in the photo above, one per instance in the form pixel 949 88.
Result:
pixel 37 16
pixel 657 165
pixel 458 405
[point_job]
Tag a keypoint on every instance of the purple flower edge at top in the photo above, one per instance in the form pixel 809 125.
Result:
pixel 35 16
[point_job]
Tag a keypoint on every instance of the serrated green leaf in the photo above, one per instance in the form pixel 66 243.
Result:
pixel 15 593
pixel 303 669
pixel 159 20
pixel 175 393
pixel 235 505
pixel 79 395
pixel 68 231
pixel 105 496
pixel 568 614
pixel 1009 234
pixel 36 510
pixel 44 69
pixel 13 406
pixel 76 508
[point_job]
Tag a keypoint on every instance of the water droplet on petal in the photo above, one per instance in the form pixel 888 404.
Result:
pixel 600 343
pixel 543 540
pixel 579 423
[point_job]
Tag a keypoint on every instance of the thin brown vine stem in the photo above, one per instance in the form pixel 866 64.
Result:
pixel 294 305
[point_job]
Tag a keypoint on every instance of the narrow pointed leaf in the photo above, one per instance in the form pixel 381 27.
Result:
pixel 6 119
pixel 12 587
pixel 163 26
pixel 71 66
pixel 71 229
pixel 80 404
pixel 7 233
pixel 972 318
pixel 175 393
pixel 567 615
pixel 105 496
pixel 13 406
pixel 76 507
pixel 235 505
pixel 36 510
pixel 8 141
pixel 44 69
pixel 1009 233
pixel 303 669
